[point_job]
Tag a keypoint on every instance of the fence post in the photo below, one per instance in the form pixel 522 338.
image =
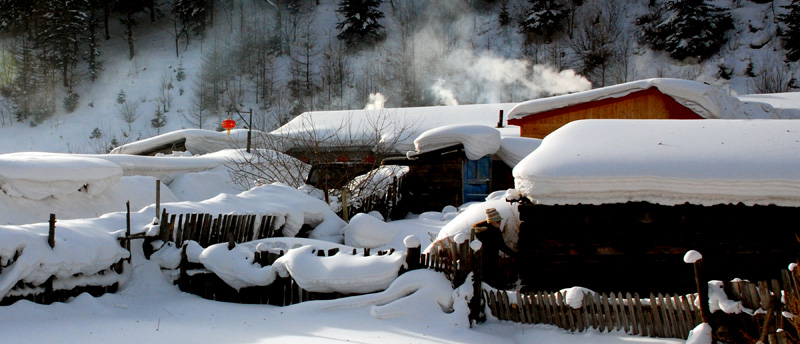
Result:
pixel 413 248
pixel 158 199
pixel 51 237
pixel 695 258
pixel 128 230
pixel 476 303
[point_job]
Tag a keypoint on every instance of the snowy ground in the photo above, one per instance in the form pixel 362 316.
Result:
pixel 418 307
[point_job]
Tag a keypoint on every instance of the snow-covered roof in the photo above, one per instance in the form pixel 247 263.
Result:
pixel 197 141
pixel 478 141
pixel 666 162
pixel 389 125
pixel 705 100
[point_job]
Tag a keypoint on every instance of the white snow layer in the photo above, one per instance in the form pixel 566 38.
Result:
pixel 81 251
pixel 705 100
pixel 343 272
pixel 40 175
pixel 399 126
pixel 197 141
pixel 478 140
pixel 668 162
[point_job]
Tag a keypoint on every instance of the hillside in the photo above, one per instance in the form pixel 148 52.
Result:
pixel 436 53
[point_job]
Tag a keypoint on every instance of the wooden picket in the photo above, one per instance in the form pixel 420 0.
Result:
pixel 207 230
pixel 671 316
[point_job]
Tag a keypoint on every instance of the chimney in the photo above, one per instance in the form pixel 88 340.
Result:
pixel 500 120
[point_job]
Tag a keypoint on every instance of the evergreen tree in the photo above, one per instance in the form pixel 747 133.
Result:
pixel 791 36
pixel 192 15
pixel 57 41
pixel 360 27
pixel 93 45
pixel 159 120
pixel 543 20
pixel 687 29
pixel 504 18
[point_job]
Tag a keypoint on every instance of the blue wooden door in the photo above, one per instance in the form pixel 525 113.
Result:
pixel 477 176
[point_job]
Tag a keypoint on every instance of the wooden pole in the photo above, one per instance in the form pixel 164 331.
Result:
pixel 249 130
pixel 158 199
pixel 51 237
pixel 702 290
pixel 344 204
pixel 413 249
pixel 128 229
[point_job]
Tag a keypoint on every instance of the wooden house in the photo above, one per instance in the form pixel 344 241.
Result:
pixel 447 177
pixel 644 99
pixel 616 204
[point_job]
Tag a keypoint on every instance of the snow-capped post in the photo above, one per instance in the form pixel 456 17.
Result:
pixel 412 252
pixel 51 237
pixel 475 304
pixel 158 199
pixel 695 258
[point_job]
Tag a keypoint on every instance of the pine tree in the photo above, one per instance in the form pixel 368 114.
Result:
pixel 791 36
pixel 688 29
pixel 57 41
pixel 92 55
pixel 360 27
pixel 504 18
pixel 543 20
pixel 192 15
pixel 159 120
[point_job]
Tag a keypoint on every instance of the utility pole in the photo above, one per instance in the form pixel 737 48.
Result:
pixel 249 124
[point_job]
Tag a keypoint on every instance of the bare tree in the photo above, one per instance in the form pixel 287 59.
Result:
pixel 164 97
pixel 772 76
pixel 128 112
pixel 371 138
pixel 595 39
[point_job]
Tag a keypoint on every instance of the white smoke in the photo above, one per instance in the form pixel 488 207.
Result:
pixel 444 95
pixel 376 102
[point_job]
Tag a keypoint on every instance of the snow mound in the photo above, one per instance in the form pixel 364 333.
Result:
pixel 475 213
pixel 478 140
pixel 342 272
pixel 668 162
pixel 40 175
pixel 367 231
pixel 82 251
pixel 514 149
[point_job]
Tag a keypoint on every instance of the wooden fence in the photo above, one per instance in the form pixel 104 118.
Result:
pixel 662 316
pixel 45 293
pixel 207 230
pixel 385 201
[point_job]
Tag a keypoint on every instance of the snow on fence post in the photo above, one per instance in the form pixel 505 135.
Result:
pixel 51 237
pixel 475 304
pixel 695 258
pixel 413 247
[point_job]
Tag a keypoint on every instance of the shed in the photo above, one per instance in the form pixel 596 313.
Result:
pixel 457 164
pixel 643 99
pixel 613 205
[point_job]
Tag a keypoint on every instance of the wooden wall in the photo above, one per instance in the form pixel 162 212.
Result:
pixel 433 182
pixel 639 247
pixel 646 104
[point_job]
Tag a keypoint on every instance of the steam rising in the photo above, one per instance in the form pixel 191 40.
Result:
pixel 376 102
